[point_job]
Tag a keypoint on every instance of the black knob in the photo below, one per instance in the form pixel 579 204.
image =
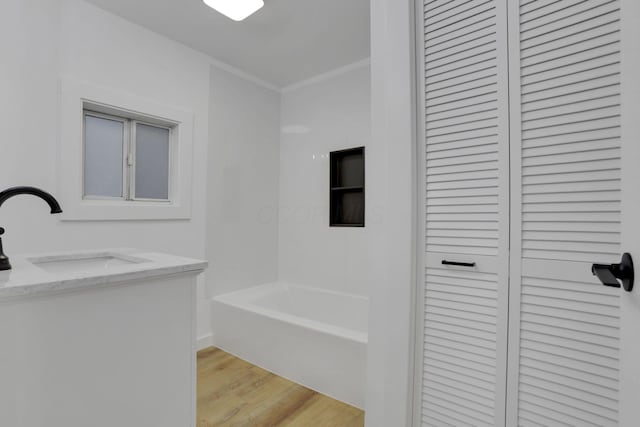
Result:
pixel 609 274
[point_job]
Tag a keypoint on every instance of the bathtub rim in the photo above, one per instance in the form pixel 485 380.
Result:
pixel 231 299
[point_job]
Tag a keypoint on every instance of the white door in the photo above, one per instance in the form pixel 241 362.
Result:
pixel 564 349
pixel 555 144
pixel 462 332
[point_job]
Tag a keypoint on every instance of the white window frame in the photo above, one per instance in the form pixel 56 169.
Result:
pixel 129 153
pixel 78 98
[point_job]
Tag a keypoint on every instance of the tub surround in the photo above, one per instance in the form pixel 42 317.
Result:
pixel 30 275
pixel 101 338
pixel 318 118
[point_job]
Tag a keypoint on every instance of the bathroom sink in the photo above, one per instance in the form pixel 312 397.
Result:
pixel 84 262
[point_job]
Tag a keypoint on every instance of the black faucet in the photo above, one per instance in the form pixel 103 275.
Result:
pixel 14 191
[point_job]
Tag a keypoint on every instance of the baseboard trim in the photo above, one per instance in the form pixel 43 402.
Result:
pixel 205 341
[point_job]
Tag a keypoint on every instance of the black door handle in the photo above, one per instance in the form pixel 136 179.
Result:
pixel 459 264
pixel 609 274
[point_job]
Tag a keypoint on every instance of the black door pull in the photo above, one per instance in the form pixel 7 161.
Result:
pixel 458 264
pixel 609 274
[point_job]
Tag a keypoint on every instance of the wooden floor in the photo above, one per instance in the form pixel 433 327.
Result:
pixel 232 392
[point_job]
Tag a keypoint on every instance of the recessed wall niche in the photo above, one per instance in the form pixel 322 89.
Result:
pixel 347 188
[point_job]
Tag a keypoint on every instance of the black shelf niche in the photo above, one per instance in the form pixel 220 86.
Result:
pixel 347 188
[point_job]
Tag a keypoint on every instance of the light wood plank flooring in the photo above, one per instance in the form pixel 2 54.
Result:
pixel 232 392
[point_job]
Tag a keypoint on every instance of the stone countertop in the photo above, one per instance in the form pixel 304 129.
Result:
pixel 48 273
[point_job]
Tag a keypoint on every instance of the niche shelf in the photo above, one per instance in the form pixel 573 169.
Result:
pixel 347 188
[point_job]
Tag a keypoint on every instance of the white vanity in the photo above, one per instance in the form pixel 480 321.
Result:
pixel 98 339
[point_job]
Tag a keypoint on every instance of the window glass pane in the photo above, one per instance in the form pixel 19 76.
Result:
pixel 103 160
pixel 152 162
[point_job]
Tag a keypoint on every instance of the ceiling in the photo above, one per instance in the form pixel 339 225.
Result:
pixel 285 42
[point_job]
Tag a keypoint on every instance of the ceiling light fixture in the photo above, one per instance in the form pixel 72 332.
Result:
pixel 235 9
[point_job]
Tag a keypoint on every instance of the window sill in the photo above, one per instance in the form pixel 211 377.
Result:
pixel 120 210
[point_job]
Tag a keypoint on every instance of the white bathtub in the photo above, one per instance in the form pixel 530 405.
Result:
pixel 311 336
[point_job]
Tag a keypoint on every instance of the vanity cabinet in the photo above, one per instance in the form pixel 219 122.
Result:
pixel 99 348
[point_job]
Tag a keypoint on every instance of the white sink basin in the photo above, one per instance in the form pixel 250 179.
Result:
pixel 84 262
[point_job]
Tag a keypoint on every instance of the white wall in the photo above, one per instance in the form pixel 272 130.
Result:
pixel 392 245
pixel 44 40
pixel 242 218
pixel 317 117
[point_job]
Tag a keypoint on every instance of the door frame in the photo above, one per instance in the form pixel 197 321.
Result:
pixel 421 241
pixel 393 214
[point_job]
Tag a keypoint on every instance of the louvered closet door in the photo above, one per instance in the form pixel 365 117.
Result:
pixel 564 346
pixel 463 327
